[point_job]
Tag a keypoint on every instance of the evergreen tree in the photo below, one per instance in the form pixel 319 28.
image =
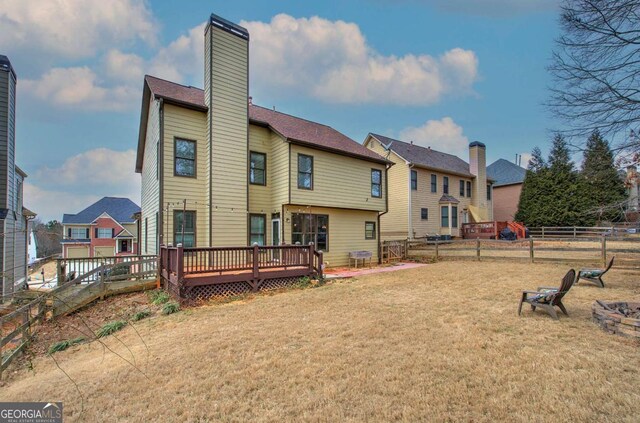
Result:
pixel 536 163
pixel 604 188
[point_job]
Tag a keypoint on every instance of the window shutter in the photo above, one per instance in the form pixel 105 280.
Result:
pixel 113 232
pixel 68 232
pixel 87 233
pixel 96 233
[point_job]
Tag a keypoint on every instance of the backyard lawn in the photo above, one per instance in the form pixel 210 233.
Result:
pixel 438 343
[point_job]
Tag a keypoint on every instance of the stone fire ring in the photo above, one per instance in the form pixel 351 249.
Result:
pixel 615 322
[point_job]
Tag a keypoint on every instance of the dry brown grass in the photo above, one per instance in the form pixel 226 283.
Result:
pixel 440 343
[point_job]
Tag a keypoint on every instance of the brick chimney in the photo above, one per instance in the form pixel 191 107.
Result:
pixel 478 167
pixel 226 88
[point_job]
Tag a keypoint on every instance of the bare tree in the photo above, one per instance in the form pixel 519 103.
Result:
pixel 596 71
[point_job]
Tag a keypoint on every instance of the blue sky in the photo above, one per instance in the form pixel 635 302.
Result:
pixel 438 72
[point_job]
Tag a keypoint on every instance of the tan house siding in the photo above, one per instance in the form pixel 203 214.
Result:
pixel 424 198
pixel 505 202
pixel 394 224
pixel 150 182
pixel 260 196
pixel 338 181
pixel 227 76
pixel 280 170
pixel 181 123
pixel 346 232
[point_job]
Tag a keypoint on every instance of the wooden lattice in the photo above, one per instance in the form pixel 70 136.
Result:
pixel 204 292
pixel 279 283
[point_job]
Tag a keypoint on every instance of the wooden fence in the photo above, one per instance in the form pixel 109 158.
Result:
pixel 72 268
pixel 594 251
pixel 18 328
pixel 578 231
pixel 391 251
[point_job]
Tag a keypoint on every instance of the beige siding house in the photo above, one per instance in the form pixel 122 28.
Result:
pixel 432 193
pixel 218 170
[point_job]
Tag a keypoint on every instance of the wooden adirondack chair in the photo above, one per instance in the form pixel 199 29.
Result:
pixel 547 298
pixel 594 275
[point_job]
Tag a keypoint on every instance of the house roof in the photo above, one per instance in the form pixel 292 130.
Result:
pixel 446 198
pixel 503 172
pixel 5 65
pixel 426 157
pixel 296 130
pixel 120 209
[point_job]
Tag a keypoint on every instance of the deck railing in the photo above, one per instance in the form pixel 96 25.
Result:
pixel 181 261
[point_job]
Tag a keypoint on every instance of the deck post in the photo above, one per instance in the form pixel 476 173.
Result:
pixel 320 264
pixel 311 257
pixel 61 272
pixel 180 262
pixel 478 248
pixel 256 270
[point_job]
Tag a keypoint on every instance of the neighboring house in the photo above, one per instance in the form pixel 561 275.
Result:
pixel 508 178
pixel 220 171
pixel 14 217
pixel 430 192
pixel 632 182
pixel 106 228
pixel 32 251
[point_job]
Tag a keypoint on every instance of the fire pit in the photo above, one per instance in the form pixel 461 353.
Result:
pixel 622 318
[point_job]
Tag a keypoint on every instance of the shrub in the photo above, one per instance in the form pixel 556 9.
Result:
pixel 159 297
pixel 141 315
pixel 121 269
pixel 170 308
pixel 110 328
pixel 63 345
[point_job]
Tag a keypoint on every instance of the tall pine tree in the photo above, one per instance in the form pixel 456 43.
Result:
pixel 605 189
pixel 532 202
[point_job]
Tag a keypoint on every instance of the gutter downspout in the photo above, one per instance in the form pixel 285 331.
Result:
pixel 386 210
pixel 159 223
pixel 410 217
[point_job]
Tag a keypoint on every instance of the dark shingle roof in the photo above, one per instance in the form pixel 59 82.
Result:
pixel 121 209
pixel 427 157
pixel 446 198
pixel 295 129
pixel 503 172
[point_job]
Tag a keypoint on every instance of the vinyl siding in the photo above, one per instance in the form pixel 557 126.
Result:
pixel 346 232
pixel 226 73
pixel 133 228
pixel 338 181
pixel 150 182
pixel 280 170
pixel 187 124
pixel 395 223
pixel 424 198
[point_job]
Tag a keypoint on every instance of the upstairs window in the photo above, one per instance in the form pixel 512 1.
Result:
pixel 414 180
pixel 185 158
pixel 445 185
pixel 184 222
pixel 305 171
pixel 104 233
pixel 468 189
pixel 461 188
pixel 78 233
pixel 376 183
pixel 258 168
pixel 434 183
pixel 424 214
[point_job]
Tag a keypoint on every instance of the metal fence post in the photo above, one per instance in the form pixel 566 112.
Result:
pixel 478 248
pixel 436 249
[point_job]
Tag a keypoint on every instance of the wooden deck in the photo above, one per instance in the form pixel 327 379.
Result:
pixel 188 270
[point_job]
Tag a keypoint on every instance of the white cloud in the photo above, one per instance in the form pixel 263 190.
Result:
pixel 73 28
pixel 124 67
pixel 332 61
pixel 181 59
pixel 80 87
pixel 443 135
pixel 81 180
pixel 52 204
pixel 500 8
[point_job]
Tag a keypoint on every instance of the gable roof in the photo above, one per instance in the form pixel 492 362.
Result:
pixel 120 209
pixel 505 173
pixel 294 129
pixel 425 157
